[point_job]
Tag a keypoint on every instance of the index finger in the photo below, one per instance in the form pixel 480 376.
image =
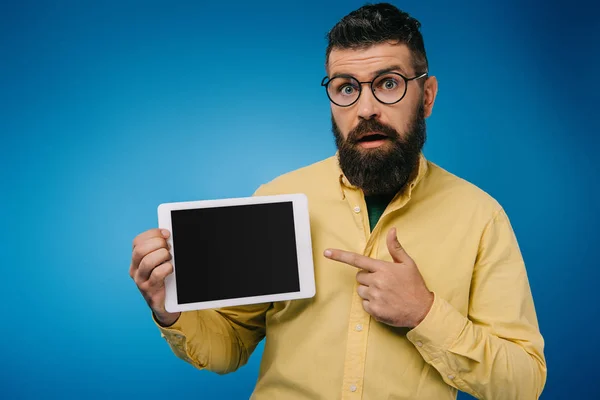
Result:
pixel 353 259
pixel 156 232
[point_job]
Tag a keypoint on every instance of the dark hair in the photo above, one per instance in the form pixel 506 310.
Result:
pixel 378 23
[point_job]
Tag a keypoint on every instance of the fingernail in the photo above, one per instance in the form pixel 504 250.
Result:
pixel 165 233
pixel 327 253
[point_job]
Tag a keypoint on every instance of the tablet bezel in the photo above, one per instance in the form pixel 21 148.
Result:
pixel 303 249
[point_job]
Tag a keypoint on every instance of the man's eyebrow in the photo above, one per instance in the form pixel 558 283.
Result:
pixel 378 72
pixel 389 69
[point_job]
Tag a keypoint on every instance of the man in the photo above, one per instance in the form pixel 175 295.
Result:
pixel 421 287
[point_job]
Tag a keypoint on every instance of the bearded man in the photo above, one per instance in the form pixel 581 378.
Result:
pixel 421 288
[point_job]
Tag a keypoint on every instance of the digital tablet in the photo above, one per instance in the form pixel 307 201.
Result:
pixel 238 251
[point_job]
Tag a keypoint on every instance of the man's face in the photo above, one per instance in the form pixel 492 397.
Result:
pixel 379 144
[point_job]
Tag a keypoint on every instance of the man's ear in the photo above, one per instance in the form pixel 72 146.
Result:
pixel 429 93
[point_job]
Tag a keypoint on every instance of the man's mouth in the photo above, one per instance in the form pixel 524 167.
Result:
pixel 372 140
pixel 370 137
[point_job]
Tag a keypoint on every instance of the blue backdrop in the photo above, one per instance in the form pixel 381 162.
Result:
pixel 109 108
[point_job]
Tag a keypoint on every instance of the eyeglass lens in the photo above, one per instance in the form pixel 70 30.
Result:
pixel 387 88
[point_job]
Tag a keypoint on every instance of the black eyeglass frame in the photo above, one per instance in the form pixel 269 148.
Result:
pixel 360 84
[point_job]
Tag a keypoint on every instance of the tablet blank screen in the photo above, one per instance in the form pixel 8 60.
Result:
pixel 234 251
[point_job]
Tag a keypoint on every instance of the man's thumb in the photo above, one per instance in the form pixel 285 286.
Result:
pixel 395 248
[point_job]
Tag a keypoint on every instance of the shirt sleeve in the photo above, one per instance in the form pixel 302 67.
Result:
pixel 219 340
pixel 496 351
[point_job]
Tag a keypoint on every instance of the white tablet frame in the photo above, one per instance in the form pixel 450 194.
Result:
pixel 303 250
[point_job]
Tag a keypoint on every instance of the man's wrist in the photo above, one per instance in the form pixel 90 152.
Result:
pixel 425 310
pixel 166 321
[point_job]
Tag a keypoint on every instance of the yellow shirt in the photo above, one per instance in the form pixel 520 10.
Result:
pixel 481 335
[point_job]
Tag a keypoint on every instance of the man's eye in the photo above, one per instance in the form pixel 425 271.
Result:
pixel 389 84
pixel 347 89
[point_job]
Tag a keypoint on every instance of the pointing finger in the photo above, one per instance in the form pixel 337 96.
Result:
pixel 353 259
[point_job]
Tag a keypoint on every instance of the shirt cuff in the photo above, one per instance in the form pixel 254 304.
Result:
pixel 184 323
pixel 175 336
pixel 438 331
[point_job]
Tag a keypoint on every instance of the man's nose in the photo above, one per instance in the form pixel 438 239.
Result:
pixel 368 105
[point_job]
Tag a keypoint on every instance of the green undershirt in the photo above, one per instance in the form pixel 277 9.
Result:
pixel 376 206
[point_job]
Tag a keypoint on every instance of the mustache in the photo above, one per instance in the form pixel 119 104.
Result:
pixel 366 126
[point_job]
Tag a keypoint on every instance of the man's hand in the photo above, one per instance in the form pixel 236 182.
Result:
pixel 149 267
pixel 393 292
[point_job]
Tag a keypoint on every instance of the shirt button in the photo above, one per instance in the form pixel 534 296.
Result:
pixel 358 327
pixel 353 388
pixel 450 376
pixel 419 343
pixel 356 209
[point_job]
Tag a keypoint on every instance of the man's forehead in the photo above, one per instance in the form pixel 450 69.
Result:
pixel 366 61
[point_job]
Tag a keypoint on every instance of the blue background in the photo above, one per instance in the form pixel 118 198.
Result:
pixel 109 108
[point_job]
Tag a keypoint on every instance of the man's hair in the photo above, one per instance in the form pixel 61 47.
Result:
pixel 378 23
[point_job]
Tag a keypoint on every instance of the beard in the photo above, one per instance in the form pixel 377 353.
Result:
pixel 384 170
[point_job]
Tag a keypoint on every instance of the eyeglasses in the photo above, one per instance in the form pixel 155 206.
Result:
pixel 387 87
